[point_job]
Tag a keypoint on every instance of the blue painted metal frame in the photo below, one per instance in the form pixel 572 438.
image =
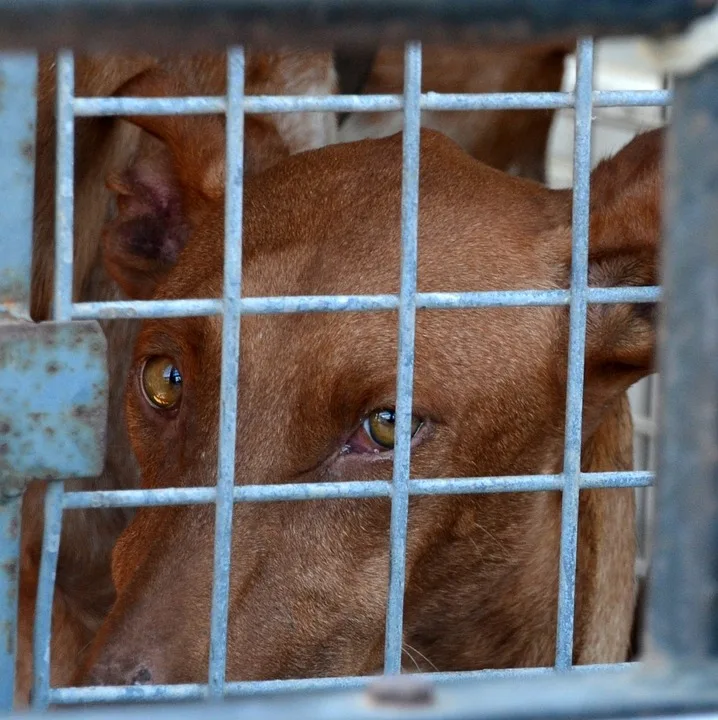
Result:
pixel 18 110
pixel 53 392
pixel 683 598
pixel 53 376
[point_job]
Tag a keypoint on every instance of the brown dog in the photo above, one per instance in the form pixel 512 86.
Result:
pixel 510 140
pixel 309 579
pixel 84 589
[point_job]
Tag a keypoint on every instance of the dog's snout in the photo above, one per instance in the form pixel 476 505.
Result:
pixel 118 673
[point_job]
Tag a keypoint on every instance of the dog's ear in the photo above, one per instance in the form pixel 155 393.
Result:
pixel 197 142
pixel 625 229
pixel 155 197
pixel 150 229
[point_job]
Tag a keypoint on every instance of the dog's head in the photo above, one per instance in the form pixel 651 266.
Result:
pixel 316 399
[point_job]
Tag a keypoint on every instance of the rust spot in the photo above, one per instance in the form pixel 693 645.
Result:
pixel 8 629
pixel 14 529
pixel 5 428
pixel 4 449
pixel 9 568
pixel 80 411
pixel 50 432
pixel 27 150
pixel 35 416
pixel 52 368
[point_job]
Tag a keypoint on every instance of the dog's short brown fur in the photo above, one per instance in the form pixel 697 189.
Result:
pixel 84 589
pixel 510 140
pixel 309 579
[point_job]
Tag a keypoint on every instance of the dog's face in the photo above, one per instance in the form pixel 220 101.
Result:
pixel 316 399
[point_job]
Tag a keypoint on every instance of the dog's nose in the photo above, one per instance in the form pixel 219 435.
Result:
pixel 118 673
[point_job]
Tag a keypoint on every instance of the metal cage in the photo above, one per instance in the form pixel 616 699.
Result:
pixel 679 673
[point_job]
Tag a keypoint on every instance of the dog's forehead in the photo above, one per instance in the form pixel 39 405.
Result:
pixel 329 222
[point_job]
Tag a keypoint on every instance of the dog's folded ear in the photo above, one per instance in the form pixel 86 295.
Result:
pixel 197 142
pixel 625 229
pixel 156 197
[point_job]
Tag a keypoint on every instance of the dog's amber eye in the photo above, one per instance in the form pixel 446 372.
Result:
pixel 162 383
pixel 379 427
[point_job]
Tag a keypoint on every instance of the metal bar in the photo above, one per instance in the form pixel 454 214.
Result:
pixel 632 98
pixel 108 106
pixel 393 640
pixel 174 693
pixel 18 83
pixel 527 694
pixel 10 512
pixel 231 316
pixel 64 187
pixel 18 111
pixel 42 628
pixel 355 303
pixel 165 26
pixel 683 613
pixel 353 489
pixel 577 343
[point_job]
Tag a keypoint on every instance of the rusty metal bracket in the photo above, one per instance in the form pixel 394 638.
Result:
pixel 53 401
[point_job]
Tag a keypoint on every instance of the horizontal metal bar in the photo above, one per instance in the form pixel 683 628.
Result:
pixel 618 479
pixel 632 98
pixel 647 294
pixel 355 303
pixel 165 693
pixel 163 26
pixel 352 489
pixel 98 107
pixel 107 106
pixel 133 309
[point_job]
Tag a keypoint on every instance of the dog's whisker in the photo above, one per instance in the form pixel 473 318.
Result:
pixel 405 651
pixel 421 655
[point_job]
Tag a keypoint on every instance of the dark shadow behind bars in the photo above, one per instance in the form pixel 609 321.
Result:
pixel 681 669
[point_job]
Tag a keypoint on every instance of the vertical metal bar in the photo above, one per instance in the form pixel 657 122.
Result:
pixel 577 345
pixel 10 509
pixel 683 612
pixel 18 112
pixel 45 589
pixel 64 187
pixel 62 312
pixel 405 361
pixel 230 369
pixel 18 82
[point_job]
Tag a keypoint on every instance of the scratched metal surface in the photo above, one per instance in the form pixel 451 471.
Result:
pixel 53 400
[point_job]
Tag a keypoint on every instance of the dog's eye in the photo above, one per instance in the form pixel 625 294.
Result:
pixel 376 433
pixel 162 383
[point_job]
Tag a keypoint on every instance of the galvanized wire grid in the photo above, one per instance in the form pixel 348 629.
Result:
pixel 232 306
